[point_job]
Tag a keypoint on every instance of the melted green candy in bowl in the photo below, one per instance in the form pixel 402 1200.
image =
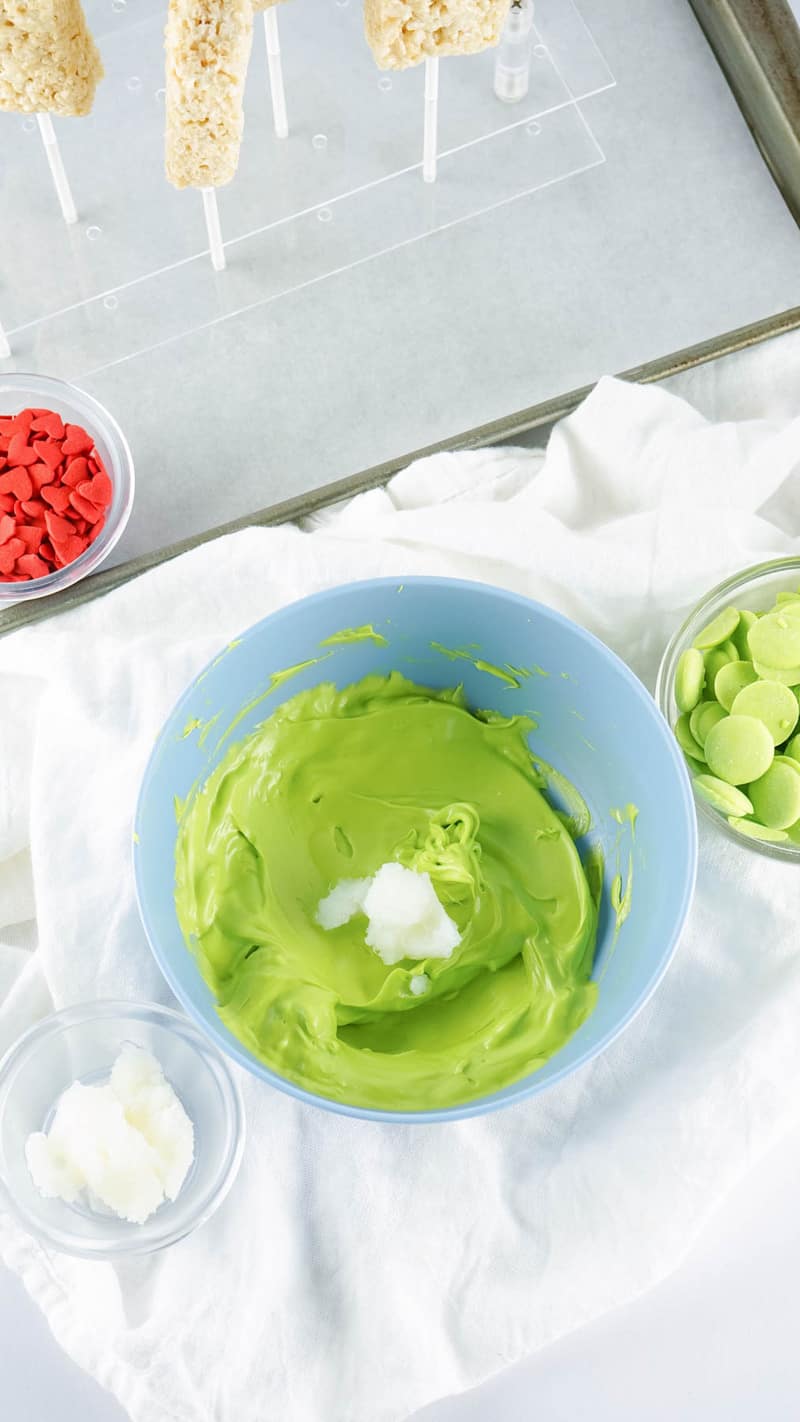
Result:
pixel 330 788
pixel 738 693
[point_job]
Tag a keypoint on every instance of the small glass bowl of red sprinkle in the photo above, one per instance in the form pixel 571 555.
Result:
pixel 66 485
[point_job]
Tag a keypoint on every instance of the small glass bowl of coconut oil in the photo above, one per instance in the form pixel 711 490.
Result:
pixel 81 1044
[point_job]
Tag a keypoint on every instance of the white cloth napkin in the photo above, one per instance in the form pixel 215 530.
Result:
pixel 358 1271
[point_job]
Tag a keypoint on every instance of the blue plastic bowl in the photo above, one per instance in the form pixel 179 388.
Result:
pixel 597 726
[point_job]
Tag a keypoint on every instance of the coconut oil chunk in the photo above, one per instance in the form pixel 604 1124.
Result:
pixel 405 918
pixel 125 1145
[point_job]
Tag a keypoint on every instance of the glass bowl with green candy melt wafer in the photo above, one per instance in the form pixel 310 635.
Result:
pixel 729 685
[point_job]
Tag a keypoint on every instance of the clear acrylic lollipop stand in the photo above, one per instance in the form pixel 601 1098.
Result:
pixel 343 188
pixel 211 214
pixel 431 122
pixel 57 170
pixel 280 120
pixel 342 315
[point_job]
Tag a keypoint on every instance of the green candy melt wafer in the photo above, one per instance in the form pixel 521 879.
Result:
pixel 686 740
pixel 746 620
pixel 718 630
pixel 776 796
pixel 793 749
pixel 738 749
pixel 690 679
pixel 789 676
pixel 718 658
pixel 756 831
pixel 723 797
pixel 775 638
pixel 771 702
pixel 703 718
pixel 731 679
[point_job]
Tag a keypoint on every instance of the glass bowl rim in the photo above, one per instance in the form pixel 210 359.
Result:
pixel 107 424
pixel 786 852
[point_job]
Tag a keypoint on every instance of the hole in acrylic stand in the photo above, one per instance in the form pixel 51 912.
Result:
pixel 324 214
pixel 384 84
pixel 540 50
pixel 134 84
pixel 93 233
pixel 319 141
pixel 342 4
pixel 28 125
pixel 161 95
pixel 533 127
pixel 119 6
pixel 110 302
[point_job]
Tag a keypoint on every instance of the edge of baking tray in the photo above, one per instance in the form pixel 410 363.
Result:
pixel 757 44
pixel 498 431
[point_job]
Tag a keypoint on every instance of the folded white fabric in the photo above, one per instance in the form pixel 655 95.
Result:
pixel 358 1271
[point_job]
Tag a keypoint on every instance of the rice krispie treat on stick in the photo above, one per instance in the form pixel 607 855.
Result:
pixel 49 62
pixel 207 49
pixel 402 33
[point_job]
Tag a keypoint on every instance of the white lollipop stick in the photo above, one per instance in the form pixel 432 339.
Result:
pixel 272 37
pixel 60 178
pixel 431 119
pixel 213 228
pixel 5 349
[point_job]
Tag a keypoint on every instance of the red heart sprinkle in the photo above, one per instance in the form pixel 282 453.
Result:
pixel 31 536
pixel 32 508
pixel 77 441
pixel 84 507
pixel 32 565
pixel 21 423
pixel 56 497
pixel 19 451
pixel 48 453
pixel 16 481
pixel 76 472
pixel 39 474
pixel 50 424
pixel 58 528
pixel 70 549
pixel 102 489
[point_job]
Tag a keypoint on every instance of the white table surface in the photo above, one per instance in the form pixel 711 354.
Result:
pixel 716 1342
